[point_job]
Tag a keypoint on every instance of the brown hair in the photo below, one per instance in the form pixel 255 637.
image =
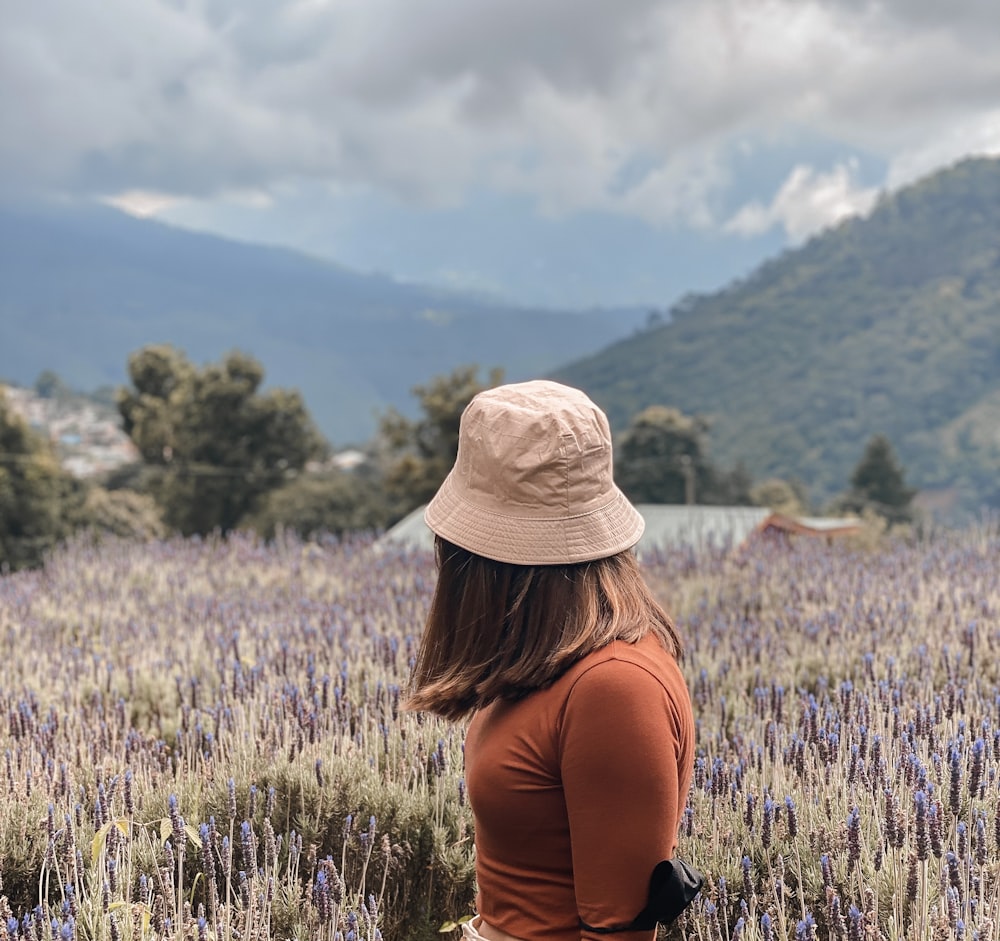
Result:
pixel 500 631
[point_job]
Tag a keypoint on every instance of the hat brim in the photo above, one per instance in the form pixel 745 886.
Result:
pixel 605 531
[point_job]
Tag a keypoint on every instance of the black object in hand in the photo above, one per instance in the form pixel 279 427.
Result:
pixel 672 887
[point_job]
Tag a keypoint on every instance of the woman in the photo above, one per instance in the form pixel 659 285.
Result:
pixel 580 748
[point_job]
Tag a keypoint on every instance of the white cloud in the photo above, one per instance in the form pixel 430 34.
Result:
pixel 558 99
pixel 806 203
pixel 142 203
pixel 979 136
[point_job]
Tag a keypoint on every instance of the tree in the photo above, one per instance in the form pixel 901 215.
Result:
pixel 124 513
pixel 782 496
pixel 418 454
pixel 729 488
pixel 216 442
pixel 334 501
pixel 660 457
pixel 878 484
pixel 49 385
pixel 35 493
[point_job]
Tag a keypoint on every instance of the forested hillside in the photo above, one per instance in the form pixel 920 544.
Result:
pixel 889 324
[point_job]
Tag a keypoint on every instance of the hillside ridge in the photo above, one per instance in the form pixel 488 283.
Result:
pixel 81 288
pixel 888 323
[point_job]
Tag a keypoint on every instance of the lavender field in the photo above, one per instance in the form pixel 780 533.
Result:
pixel 203 740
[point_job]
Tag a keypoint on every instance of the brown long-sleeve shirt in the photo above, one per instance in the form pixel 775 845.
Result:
pixel 578 791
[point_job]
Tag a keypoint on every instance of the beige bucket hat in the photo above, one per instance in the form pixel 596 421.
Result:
pixel 532 483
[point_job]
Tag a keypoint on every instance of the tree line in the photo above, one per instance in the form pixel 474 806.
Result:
pixel 218 452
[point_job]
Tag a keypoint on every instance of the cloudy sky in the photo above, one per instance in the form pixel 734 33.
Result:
pixel 565 152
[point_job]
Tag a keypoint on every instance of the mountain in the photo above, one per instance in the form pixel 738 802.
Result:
pixel 82 287
pixel 889 323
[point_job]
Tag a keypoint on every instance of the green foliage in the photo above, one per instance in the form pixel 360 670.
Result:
pixel 662 458
pixel 35 493
pixel 887 323
pixel 729 488
pixel 782 496
pixel 217 442
pixel 124 513
pixel 878 484
pixel 419 453
pixel 49 385
pixel 335 502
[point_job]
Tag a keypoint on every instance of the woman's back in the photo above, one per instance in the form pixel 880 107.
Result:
pixel 576 794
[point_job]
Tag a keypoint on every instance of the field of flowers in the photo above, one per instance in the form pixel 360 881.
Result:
pixel 203 740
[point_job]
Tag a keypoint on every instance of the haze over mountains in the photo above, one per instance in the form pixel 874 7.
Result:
pixel 889 323
pixel 81 288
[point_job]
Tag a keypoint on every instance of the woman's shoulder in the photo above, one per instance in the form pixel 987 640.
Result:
pixel 638 686
pixel 643 664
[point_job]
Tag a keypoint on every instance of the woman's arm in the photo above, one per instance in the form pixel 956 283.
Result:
pixel 620 752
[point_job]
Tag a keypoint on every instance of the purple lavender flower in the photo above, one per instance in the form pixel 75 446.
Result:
pixel 936 828
pixel 951 902
pixel 745 868
pixel 852 768
pixel 827 869
pixel 248 846
pixel 207 863
pixel 805 930
pixel 176 824
pixel 272 795
pixel 767 825
pixel 889 829
pixel 920 825
pixel 955 781
pixel 837 923
pixel 711 913
pixel 129 799
pixel 954 874
pixel 853 836
pixel 978 764
pixel 321 897
pixel 855 924
pixel 980 840
pixel 912 879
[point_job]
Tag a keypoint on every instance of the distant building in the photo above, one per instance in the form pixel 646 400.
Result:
pixel 676 526
pixel 672 526
pixel 86 435
pixel 349 460
pixel 828 526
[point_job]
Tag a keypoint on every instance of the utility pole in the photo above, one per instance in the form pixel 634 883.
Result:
pixel 687 469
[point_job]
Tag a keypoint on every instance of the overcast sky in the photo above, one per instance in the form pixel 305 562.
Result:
pixel 557 151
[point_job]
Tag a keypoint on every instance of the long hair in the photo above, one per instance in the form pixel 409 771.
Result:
pixel 501 631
